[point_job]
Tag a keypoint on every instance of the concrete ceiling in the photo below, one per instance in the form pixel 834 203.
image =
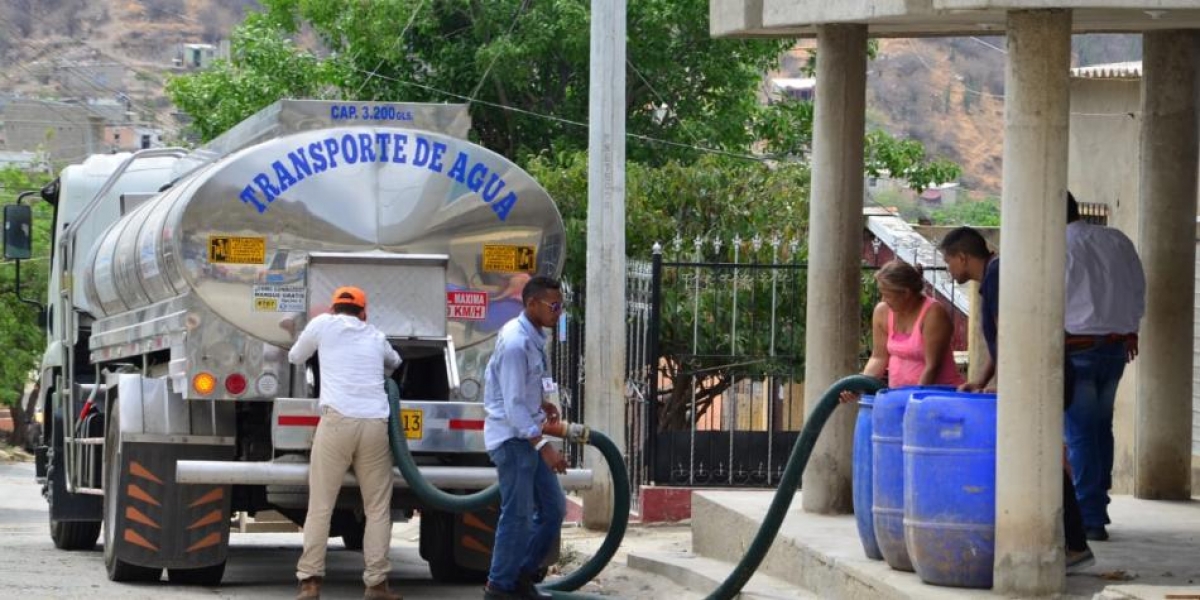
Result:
pixel 922 18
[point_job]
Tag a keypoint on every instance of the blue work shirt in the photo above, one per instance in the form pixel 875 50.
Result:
pixel 512 384
pixel 990 290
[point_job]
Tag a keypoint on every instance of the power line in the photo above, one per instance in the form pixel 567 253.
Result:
pixel 956 77
pixel 644 138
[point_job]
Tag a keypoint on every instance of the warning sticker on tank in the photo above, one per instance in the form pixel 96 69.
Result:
pixel 503 258
pixel 237 250
pixel 280 298
pixel 466 305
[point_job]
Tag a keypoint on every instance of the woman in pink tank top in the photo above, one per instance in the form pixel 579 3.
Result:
pixel 910 333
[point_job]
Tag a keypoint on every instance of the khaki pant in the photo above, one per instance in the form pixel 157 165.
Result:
pixel 342 442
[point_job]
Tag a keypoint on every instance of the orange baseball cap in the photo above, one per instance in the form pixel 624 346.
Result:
pixel 350 295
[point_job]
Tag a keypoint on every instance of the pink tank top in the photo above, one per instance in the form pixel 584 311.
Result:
pixel 906 354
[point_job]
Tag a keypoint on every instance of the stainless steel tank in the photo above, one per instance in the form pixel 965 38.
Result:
pixel 235 233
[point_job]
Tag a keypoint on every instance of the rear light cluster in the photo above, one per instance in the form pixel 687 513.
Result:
pixel 205 384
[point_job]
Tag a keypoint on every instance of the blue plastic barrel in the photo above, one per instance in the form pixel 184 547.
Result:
pixel 887 471
pixel 862 479
pixel 950 488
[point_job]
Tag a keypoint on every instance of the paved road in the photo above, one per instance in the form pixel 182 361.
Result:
pixel 261 565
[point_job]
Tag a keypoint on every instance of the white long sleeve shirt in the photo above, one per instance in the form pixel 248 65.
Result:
pixel 1106 286
pixel 355 357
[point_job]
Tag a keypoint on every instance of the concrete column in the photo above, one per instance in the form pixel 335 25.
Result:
pixel 834 263
pixel 604 338
pixel 1168 249
pixel 1029 530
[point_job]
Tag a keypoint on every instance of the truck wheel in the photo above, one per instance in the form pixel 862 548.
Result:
pixel 74 535
pixel 207 576
pixel 68 535
pixel 118 570
pixel 352 537
pixel 437 540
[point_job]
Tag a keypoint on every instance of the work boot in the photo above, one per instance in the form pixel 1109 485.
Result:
pixel 1097 534
pixel 310 589
pixel 528 589
pixel 380 591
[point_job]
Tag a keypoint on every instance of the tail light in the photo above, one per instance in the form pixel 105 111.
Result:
pixel 235 384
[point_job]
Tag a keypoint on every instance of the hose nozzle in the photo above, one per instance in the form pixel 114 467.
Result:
pixel 578 433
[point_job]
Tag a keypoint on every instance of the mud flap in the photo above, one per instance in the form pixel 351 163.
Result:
pixel 160 523
pixel 473 534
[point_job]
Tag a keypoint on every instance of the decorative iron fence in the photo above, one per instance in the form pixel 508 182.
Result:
pixel 714 391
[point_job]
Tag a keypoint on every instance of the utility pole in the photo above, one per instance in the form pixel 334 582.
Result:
pixel 604 341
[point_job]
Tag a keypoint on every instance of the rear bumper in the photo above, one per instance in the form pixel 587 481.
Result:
pixel 270 473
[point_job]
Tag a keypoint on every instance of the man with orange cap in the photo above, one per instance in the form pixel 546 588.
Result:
pixel 353 432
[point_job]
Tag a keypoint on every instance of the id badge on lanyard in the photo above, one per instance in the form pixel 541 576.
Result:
pixel 550 392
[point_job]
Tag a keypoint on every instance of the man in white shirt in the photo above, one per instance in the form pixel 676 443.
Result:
pixel 1105 295
pixel 353 432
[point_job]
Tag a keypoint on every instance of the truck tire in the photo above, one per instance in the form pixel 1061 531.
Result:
pixel 74 535
pixel 68 535
pixel 207 576
pixel 352 537
pixel 437 541
pixel 118 570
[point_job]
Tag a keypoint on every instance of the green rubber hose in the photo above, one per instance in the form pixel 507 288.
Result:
pixel 560 588
pixel 416 482
pixel 791 479
pixel 441 500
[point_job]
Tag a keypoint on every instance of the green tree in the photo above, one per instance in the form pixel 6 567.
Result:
pixel 979 213
pixel 264 66
pixel 681 85
pixel 20 334
pixel 712 198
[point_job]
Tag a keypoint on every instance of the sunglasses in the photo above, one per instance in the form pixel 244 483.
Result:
pixel 554 306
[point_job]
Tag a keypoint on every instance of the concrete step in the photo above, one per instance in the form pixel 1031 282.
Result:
pixel 1155 544
pixel 702 574
pixel 814 552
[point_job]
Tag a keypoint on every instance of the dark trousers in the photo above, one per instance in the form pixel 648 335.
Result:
pixel 1072 517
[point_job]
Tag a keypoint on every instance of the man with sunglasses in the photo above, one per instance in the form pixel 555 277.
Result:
pixel 518 398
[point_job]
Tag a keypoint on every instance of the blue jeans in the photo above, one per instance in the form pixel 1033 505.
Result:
pixel 1089 427
pixel 532 507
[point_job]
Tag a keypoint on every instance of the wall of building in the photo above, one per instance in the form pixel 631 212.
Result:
pixel 64 131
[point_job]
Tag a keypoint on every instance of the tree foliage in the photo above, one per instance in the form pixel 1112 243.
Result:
pixel 265 66
pixel 980 213
pixel 20 335
pixel 698 211
pixel 682 86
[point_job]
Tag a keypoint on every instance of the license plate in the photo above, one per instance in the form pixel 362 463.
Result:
pixel 413 422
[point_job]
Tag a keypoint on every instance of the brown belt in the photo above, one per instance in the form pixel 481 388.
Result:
pixel 1080 342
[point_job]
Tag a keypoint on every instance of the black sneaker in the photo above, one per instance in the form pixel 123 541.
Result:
pixel 528 589
pixel 1097 534
pixel 491 593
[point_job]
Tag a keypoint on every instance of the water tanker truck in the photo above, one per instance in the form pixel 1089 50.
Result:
pixel 179 279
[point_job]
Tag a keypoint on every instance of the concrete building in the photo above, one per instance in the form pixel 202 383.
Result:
pixel 1029 559
pixel 64 131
